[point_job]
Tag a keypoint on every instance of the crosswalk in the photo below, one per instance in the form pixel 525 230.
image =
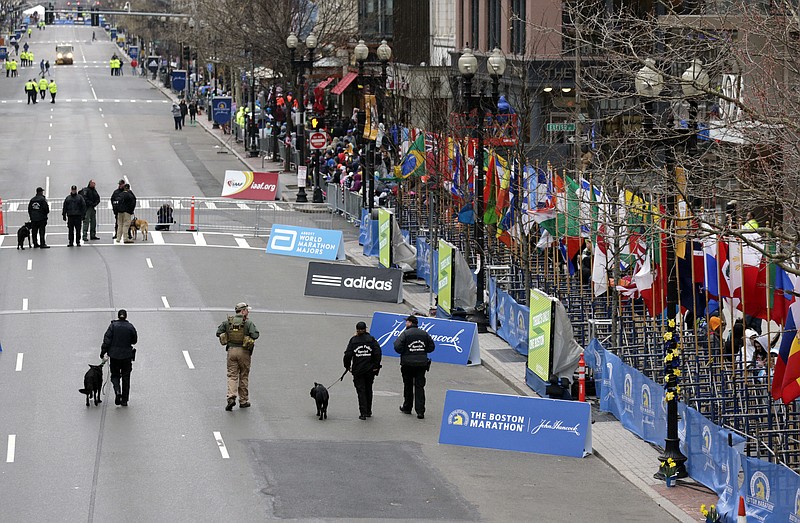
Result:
pixel 166 238
pixel 91 100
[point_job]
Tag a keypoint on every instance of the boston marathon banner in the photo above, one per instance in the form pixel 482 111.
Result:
pixel 521 423
pixel 456 341
pixel 250 185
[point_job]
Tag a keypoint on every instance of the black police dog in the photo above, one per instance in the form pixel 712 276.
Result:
pixel 22 233
pixel 92 383
pixel 320 395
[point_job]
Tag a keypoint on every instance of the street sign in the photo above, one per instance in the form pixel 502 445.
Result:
pixel 556 127
pixel 317 140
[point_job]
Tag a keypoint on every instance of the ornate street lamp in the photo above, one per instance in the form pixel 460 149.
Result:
pixel 301 65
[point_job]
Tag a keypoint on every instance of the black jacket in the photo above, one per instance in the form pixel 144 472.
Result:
pixel 364 353
pixel 413 346
pixel 127 202
pixel 38 208
pixel 91 196
pixel 74 205
pixel 115 197
pixel 119 340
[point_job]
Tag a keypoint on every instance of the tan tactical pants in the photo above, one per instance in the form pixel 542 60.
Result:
pixel 238 373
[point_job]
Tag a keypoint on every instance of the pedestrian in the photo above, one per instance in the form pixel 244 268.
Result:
pixel 94 36
pixel 184 111
pixel 43 86
pixel 192 112
pixel 118 342
pixel 92 199
pixel 125 209
pixel 25 47
pixel 413 346
pixel 134 65
pixel 30 89
pixel 363 359
pixel 115 198
pixel 73 211
pixel 176 114
pixel 47 67
pixel 41 66
pixel 38 209
pixel 53 88
pixel 238 334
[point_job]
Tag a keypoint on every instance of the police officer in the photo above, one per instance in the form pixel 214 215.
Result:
pixel 363 359
pixel 118 342
pixel 73 211
pixel 30 89
pixel 413 346
pixel 43 86
pixel 38 209
pixel 115 199
pixel 237 329
pixel 53 88
pixel 92 199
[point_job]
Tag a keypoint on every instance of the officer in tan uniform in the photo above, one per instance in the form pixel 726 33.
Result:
pixel 238 334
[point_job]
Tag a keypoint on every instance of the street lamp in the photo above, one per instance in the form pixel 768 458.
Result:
pixel 649 83
pixel 301 65
pixel 497 67
pixel 360 53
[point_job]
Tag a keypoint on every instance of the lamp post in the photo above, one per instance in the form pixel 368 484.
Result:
pixel 252 130
pixel 468 66
pixel 361 52
pixel 301 65
pixel 649 83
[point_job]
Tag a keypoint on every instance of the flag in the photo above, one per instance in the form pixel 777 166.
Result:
pixel 504 175
pixel 414 162
pixel 790 386
pixel 490 191
pixel 711 268
pixel 782 284
pixel 782 361
pixel 600 262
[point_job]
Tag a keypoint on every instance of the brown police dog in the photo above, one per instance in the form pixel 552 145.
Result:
pixel 140 225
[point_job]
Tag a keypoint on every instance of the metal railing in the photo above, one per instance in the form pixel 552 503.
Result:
pixel 344 202
pixel 210 214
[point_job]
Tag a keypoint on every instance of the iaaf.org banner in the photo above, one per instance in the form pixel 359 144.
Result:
pixel 352 282
pixel 249 185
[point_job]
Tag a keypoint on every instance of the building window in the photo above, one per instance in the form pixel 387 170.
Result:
pixel 518 22
pixel 495 15
pixel 375 17
pixel 475 15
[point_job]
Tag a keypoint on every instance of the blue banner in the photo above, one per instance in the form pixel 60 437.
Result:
pixel 305 242
pixel 521 423
pixel 178 80
pixel 771 492
pixel 371 244
pixel 363 227
pixel 424 263
pixel 512 322
pixel 456 341
pixel 133 52
pixel 3 53
pixel 221 109
pixel 113 34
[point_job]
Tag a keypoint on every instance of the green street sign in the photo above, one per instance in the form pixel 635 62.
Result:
pixel 385 237
pixel 539 338
pixel 556 127
pixel 445 291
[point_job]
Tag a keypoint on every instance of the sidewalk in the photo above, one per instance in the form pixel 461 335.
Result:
pixel 633 458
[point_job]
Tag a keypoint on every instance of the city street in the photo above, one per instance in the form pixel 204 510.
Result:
pixel 174 454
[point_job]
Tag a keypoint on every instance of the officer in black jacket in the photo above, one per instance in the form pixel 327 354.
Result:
pixel 118 344
pixel 73 211
pixel 413 346
pixel 38 209
pixel 363 359
pixel 92 199
pixel 115 197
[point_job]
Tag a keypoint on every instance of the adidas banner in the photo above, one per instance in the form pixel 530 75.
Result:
pixel 352 282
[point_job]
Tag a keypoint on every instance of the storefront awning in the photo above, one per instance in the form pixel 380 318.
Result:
pixel 344 83
pixel 325 83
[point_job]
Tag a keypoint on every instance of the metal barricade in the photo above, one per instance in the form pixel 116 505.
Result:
pixel 210 214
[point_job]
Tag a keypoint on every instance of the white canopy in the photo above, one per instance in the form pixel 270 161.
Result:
pixel 36 9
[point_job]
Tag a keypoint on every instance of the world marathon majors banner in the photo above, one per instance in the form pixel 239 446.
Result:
pixel 520 423
pixel 306 242
pixel 456 341
pixel 354 282
pixel 250 185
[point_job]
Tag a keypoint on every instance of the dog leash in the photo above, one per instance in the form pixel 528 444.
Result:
pixel 108 375
pixel 340 378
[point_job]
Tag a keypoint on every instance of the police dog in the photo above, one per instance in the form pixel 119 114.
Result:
pixel 22 233
pixel 92 383
pixel 138 224
pixel 320 395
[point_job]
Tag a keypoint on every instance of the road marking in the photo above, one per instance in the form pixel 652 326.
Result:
pixel 241 242
pixel 199 239
pixel 49 136
pixel 94 93
pixel 19 362
pixel 149 263
pixel 221 444
pixel 188 359
pixel 158 238
pixel 24 304
pixel 109 136
pixel 242 206
pixel 113 147
pixel 106 124
pixel 125 177
pixel 12 444
pixel 48 162
pixel 46 186
pixel 211 205
pixel 165 302
pixel 48 148
pixel 120 161
pixel 30 264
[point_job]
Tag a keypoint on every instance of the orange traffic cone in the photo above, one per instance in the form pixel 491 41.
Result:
pixel 191 218
pixel 742 517
pixel 2 227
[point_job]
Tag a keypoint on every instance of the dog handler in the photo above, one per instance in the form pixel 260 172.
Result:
pixel 118 344
pixel 363 359
pixel 413 346
pixel 238 335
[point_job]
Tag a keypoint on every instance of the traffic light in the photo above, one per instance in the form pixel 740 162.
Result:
pixel 187 54
pixel 49 15
pixel 95 17
pixel 316 123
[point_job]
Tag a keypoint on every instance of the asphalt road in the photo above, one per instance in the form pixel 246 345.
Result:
pixel 174 454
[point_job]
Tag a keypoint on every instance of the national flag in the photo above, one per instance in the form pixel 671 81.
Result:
pixel 504 175
pixel 414 162
pixel 787 341
pixel 710 267
pixel 600 262
pixel 490 191
pixel 790 386
pixel 782 284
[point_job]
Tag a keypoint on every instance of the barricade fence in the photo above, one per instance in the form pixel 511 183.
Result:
pixel 210 214
pixel 345 202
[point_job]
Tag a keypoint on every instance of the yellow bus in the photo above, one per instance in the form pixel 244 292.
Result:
pixel 64 54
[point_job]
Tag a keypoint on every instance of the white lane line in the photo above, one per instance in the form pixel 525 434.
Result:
pixel 48 162
pixel 24 304
pixel 109 136
pixel 158 238
pixel 19 361
pixel 105 124
pixel 47 187
pixel 113 147
pixel 242 206
pixel 51 124
pixel 49 136
pixel 12 445
pixel 120 161
pixel 165 302
pixel 241 242
pixel 94 93
pixel 188 359
pixel 221 444
pixel 199 239
pixel 125 177
pixel 149 263
pixel 12 207
pixel 211 205
pixel 30 265
pixel 48 148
